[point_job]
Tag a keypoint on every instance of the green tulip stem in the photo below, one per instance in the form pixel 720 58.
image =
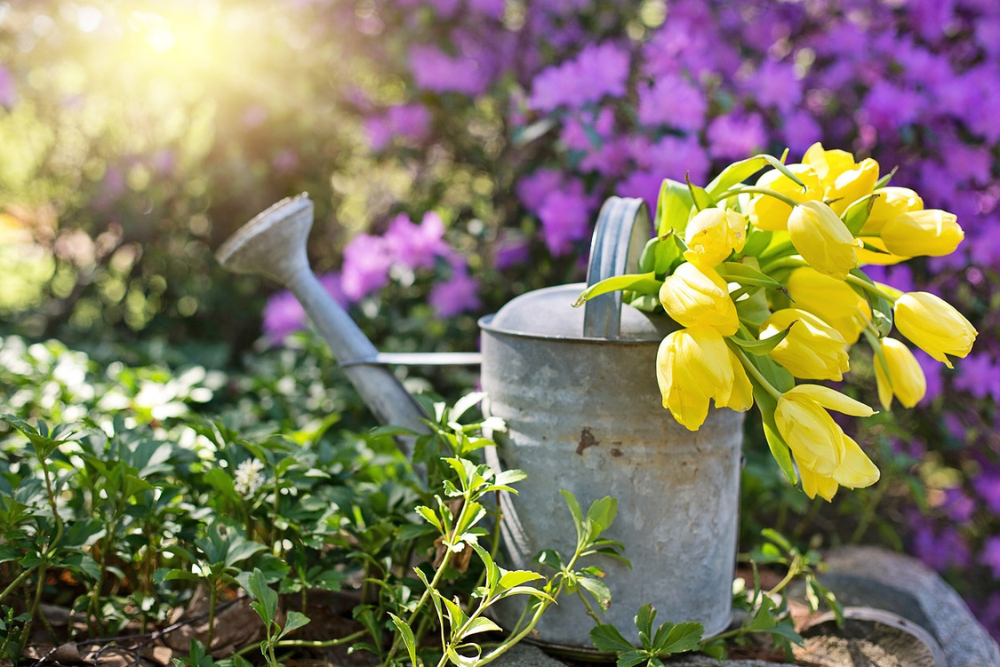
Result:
pixel 871 289
pixel 748 365
pixel 750 189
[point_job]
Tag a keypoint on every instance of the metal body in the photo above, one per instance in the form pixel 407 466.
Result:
pixel 578 392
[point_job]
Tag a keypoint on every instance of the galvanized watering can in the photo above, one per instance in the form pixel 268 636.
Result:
pixel 578 392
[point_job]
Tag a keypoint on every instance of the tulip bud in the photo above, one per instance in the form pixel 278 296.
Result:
pixel 816 441
pixel 933 233
pixel 852 185
pixel 823 239
pixel 891 201
pixel 697 296
pixel 831 300
pixel 828 165
pixel 934 326
pixel 713 234
pixel 907 378
pixel 812 350
pixel 855 471
pixel 771 214
pixel 694 366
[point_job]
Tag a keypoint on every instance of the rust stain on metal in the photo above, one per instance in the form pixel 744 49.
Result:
pixel 587 439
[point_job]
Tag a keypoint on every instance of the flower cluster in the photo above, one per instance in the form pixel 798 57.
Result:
pixel 369 262
pixel 765 281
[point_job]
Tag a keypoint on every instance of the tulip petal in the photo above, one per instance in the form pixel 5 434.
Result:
pixel 814 484
pixel 856 470
pixel 832 400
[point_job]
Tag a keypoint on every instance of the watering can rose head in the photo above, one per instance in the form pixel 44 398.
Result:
pixel 766 276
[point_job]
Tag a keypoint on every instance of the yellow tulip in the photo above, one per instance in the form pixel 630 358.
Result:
pixel 934 326
pixel 866 256
pixel 844 180
pixel 812 350
pixel 852 185
pixel 932 232
pixel 694 366
pixel 810 432
pixel 855 471
pixel 828 165
pixel 891 201
pixel 771 214
pixel 696 295
pixel 831 300
pixel 907 378
pixel 823 239
pixel 713 234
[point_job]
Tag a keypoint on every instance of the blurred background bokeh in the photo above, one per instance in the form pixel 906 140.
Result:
pixel 458 151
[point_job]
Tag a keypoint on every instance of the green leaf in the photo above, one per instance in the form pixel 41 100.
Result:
pixel 608 638
pixel 673 207
pixel 715 649
pixel 602 514
pixel 574 510
pixel 598 589
pixel 460 660
pixel 761 347
pixel 680 638
pixel 517 577
pixel 456 617
pixel 644 623
pixel 508 477
pixel 699 196
pixel 406 634
pixel 757 242
pixel 735 173
pixel 884 181
pixel 256 584
pixel 631 658
pixel 428 514
pixel 643 283
pixel 293 621
pixel 735 272
pixel 857 213
pixel 882 313
pixel 766 405
pixel 481 624
pixel 774 536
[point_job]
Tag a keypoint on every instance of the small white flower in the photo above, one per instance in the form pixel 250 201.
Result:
pixel 248 478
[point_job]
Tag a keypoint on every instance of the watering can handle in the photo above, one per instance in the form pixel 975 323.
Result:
pixel 622 230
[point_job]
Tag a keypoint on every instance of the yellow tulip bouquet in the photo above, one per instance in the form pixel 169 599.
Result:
pixel 765 281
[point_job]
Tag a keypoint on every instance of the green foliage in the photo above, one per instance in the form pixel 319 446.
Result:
pixel 668 639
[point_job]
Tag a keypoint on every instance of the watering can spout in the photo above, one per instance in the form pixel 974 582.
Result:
pixel 273 244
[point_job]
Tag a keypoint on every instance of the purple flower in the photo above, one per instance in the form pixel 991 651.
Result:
pixel 642 184
pixel 534 188
pixel 458 294
pixel 736 136
pixel 565 216
pixel 932 375
pixel 899 276
pixel 801 131
pixel 888 107
pixel 987 486
pixel 438 72
pixel 492 8
pixel 676 157
pixel 940 550
pixel 585 132
pixel 283 313
pixel 990 555
pixel 416 246
pixel 958 505
pixel 599 70
pixel 512 250
pixel 775 85
pixel 670 100
pixel 367 260
pixel 408 121
pixel 979 375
